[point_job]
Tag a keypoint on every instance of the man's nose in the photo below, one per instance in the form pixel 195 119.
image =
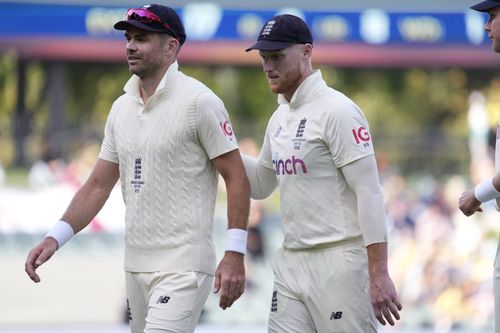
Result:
pixel 487 26
pixel 130 45
pixel 266 66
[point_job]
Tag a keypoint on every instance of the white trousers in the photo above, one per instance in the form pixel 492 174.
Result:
pixel 496 289
pixel 166 301
pixel 322 290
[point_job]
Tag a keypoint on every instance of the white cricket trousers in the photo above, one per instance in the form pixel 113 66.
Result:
pixel 496 288
pixel 322 290
pixel 166 301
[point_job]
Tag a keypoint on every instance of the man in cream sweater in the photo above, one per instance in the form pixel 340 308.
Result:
pixel 166 139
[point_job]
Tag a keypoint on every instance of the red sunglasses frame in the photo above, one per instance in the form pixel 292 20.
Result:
pixel 143 15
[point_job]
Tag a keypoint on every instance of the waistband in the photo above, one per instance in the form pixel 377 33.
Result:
pixel 356 241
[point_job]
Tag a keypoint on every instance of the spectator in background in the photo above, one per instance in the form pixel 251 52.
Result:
pixel 2 175
pixel 331 274
pixel 471 200
pixel 49 169
pixel 255 244
pixel 166 138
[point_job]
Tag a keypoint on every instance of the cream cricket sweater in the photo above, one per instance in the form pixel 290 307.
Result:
pixel 168 182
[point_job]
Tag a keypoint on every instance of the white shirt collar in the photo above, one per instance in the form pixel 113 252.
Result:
pixel 132 85
pixel 307 88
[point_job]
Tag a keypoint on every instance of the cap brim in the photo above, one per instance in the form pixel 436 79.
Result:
pixel 123 25
pixel 270 45
pixel 485 6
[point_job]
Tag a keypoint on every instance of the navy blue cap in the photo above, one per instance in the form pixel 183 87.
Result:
pixel 171 22
pixel 486 6
pixel 282 31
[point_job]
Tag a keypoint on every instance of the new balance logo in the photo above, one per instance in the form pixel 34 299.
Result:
pixel 336 315
pixel 163 299
pixel 274 302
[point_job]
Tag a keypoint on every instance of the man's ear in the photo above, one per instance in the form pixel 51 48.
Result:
pixel 308 50
pixel 172 46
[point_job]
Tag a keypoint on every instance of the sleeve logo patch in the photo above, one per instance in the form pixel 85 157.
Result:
pixel 226 128
pixel 361 136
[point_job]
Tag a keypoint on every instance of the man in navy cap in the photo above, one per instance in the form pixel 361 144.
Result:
pixel 166 139
pixel 492 26
pixel 331 273
pixel 471 200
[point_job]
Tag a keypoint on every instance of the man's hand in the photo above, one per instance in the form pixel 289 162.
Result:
pixel 383 294
pixel 38 255
pixel 468 203
pixel 230 279
pixel 384 298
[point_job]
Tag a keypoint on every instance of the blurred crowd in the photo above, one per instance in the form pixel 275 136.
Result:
pixel 441 261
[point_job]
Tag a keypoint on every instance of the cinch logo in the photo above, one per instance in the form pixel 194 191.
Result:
pixel 361 134
pixel 289 166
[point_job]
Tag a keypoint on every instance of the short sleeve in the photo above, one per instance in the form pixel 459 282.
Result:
pixel 347 134
pixel 214 128
pixel 108 146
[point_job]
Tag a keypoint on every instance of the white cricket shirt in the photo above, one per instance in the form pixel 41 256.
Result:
pixel 306 142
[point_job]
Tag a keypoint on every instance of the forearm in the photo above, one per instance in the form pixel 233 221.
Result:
pixel 470 201
pixel 90 198
pixel 263 181
pixel 487 190
pixel 377 259
pixel 238 204
pixel 232 171
pixel 496 181
pixel 384 298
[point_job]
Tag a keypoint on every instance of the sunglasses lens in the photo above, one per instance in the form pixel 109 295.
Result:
pixel 142 15
pixel 145 16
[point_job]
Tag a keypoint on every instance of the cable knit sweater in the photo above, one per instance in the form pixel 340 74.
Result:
pixel 168 182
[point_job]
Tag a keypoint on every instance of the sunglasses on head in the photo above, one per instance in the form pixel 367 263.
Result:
pixel 143 15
